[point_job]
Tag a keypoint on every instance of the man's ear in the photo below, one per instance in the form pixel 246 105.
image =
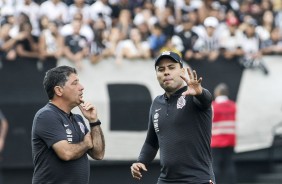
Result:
pixel 58 90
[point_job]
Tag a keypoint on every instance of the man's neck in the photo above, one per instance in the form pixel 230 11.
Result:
pixel 168 94
pixel 61 106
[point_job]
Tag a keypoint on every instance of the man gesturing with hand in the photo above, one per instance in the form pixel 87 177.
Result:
pixel 179 126
pixel 61 139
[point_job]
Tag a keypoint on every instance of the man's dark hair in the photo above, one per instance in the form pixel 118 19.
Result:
pixel 221 89
pixel 56 77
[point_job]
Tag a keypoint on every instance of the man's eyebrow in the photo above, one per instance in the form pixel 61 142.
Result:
pixel 76 80
pixel 172 64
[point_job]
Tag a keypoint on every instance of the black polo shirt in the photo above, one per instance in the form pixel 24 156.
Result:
pixel 180 126
pixel 51 125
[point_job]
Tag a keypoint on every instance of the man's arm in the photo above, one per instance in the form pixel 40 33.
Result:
pixel 203 100
pixel 147 154
pixel 98 140
pixel 97 137
pixel 3 133
pixel 67 151
pixel 150 147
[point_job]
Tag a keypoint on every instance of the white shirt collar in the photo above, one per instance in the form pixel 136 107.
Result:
pixel 220 99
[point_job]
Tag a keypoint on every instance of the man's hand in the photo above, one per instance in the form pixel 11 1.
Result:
pixel 88 111
pixel 136 170
pixel 194 84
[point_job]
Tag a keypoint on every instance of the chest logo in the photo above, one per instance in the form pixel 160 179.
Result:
pixel 82 127
pixel 181 102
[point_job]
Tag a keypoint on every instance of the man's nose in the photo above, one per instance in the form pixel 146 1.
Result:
pixel 166 72
pixel 81 86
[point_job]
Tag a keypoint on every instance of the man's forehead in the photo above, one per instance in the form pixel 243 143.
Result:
pixel 73 77
pixel 166 62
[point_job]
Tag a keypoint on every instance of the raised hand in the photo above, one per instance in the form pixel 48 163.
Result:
pixel 88 111
pixel 194 84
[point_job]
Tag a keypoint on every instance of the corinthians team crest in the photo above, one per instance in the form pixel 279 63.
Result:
pixel 181 102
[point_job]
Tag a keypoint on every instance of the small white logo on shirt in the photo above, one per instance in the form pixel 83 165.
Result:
pixel 66 125
pixel 181 102
pixel 158 109
pixel 82 127
pixel 156 122
pixel 68 131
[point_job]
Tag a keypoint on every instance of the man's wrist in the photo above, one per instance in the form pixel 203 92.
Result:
pixel 93 124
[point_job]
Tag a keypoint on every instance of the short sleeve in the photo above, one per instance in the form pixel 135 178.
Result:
pixel 49 127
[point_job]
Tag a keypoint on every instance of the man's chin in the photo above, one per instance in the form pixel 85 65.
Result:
pixel 168 88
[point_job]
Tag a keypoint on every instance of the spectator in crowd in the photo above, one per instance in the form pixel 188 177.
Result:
pixel 155 20
pixel 17 21
pixel 76 47
pixel 273 46
pixel 43 23
pixel 85 29
pixel 166 19
pixel 170 46
pixel 186 39
pixel 31 9
pixel 61 140
pixel 223 135
pixel 125 23
pixel 98 50
pixel 278 19
pixel 251 40
pixel 157 39
pixel 267 24
pixel 144 21
pixel 59 11
pixel 207 46
pixel 112 38
pixel 204 10
pixel 252 47
pixel 182 8
pixel 80 6
pixel 51 44
pixel 101 9
pixel 230 44
pixel 27 48
pixel 133 48
pixel 179 126
pixel 3 133
pixel 7 44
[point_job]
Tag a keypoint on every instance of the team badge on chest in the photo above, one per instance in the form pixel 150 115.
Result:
pixel 82 127
pixel 181 102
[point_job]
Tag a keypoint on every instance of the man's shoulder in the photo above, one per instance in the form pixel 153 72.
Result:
pixel 46 110
pixel 159 98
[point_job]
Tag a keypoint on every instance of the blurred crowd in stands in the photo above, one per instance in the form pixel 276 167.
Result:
pixel 47 30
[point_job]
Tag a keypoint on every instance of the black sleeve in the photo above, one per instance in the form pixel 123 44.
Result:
pixel 49 128
pixel 203 100
pixel 2 116
pixel 151 145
